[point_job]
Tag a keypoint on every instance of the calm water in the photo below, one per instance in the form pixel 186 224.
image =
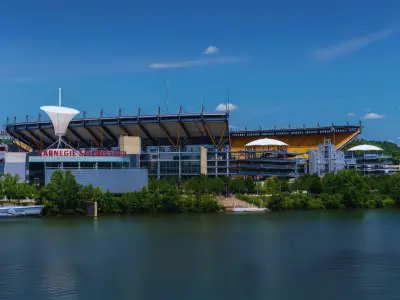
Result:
pixel 305 255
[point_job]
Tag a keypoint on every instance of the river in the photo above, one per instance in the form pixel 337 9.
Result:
pixel 294 255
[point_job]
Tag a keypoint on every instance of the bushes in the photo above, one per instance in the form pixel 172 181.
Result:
pixel 259 201
pixel 63 195
pixel 346 189
pixel 286 201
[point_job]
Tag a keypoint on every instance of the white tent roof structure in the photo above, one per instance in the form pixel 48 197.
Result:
pixel 365 148
pixel 266 142
pixel 60 117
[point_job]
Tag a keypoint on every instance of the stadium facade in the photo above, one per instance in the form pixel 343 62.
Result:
pixel 183 144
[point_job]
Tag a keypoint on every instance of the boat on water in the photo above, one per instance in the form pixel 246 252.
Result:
pixel 20 211
pixel 251 208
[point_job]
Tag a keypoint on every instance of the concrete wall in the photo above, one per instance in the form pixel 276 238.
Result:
pixel 15 163
pixel 115 180
pixel 203 160
pixel 130 144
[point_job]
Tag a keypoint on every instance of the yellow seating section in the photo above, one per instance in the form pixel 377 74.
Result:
pixel 23 145
pixel 299 143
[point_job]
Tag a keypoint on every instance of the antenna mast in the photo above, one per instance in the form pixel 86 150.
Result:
pixel 227 104
pixel 166 92
pixel 59 96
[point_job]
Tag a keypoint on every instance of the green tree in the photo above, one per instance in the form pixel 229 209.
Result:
pixel 215 185
pixel 276 202
pixel 71 191
pixel 238 186
pixel 349 184
pixel 10 185
pixel 250 185
pixel 271 185
pixel 331 201
pixel 310 183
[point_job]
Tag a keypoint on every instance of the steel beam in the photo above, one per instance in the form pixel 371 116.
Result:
pixel 34 138
pixel 182 125
pixel 166 133
pixel 209 134
pixel 52 140
pixel 93 136
pixel 75 133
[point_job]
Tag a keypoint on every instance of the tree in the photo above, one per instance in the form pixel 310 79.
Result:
pixel 331 201
pixel 10 185
pixel 394 187
pixel 238 185
pixel 71 191
pixel 87 194
pixel 276 202
pixel 109 203
pixel 215 185
pixel 271 185
pixel 250 185
pixel 349 184
pixel 260 187
pixel 310 183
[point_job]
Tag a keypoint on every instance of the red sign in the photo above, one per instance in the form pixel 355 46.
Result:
pixel 70 152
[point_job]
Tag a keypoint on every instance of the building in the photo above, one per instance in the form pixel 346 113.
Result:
pixel 370 160
pixel 264 158
pixel 13 163
pixel 188 144
pixel 326 159
pixel 111 170
pixel 300 140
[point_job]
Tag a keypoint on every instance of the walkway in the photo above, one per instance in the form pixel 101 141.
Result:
pixel 229 202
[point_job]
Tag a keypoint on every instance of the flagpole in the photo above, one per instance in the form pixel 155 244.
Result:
pixel 334 135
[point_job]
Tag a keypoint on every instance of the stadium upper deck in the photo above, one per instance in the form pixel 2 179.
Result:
pixel 174 130
pixel 103 132
pixel 300 140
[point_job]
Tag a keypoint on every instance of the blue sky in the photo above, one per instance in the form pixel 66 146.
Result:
pixel 282 62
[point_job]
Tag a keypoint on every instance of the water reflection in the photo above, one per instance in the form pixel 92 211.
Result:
pixel 268 256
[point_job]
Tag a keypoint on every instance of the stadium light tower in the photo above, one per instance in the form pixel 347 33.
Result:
pixel 60 118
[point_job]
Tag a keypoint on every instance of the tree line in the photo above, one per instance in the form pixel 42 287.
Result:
pixel 346 189
pixel 64 195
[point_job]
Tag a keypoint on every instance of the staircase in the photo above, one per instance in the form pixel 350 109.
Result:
pixel 229 202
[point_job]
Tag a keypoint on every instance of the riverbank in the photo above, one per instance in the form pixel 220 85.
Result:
pixel 347 189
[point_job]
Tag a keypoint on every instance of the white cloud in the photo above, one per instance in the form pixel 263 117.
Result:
pixel 373 116
pixel 351 114
pixel 350 46
pixel 194 63
pixel 223 107
pixel 211 50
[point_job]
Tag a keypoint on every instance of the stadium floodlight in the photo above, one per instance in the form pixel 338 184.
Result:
pixel 60 118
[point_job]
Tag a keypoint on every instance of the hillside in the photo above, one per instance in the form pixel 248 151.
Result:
pixel 388 148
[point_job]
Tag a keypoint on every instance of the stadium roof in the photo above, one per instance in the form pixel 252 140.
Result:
pixel 296 131
pixel 103 132
pixel 365 148
pixel 266 142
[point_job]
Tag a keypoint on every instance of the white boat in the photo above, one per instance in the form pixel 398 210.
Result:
pixel 249 209
pixel 15 211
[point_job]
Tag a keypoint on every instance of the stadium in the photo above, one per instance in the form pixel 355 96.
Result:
pixel 188 144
